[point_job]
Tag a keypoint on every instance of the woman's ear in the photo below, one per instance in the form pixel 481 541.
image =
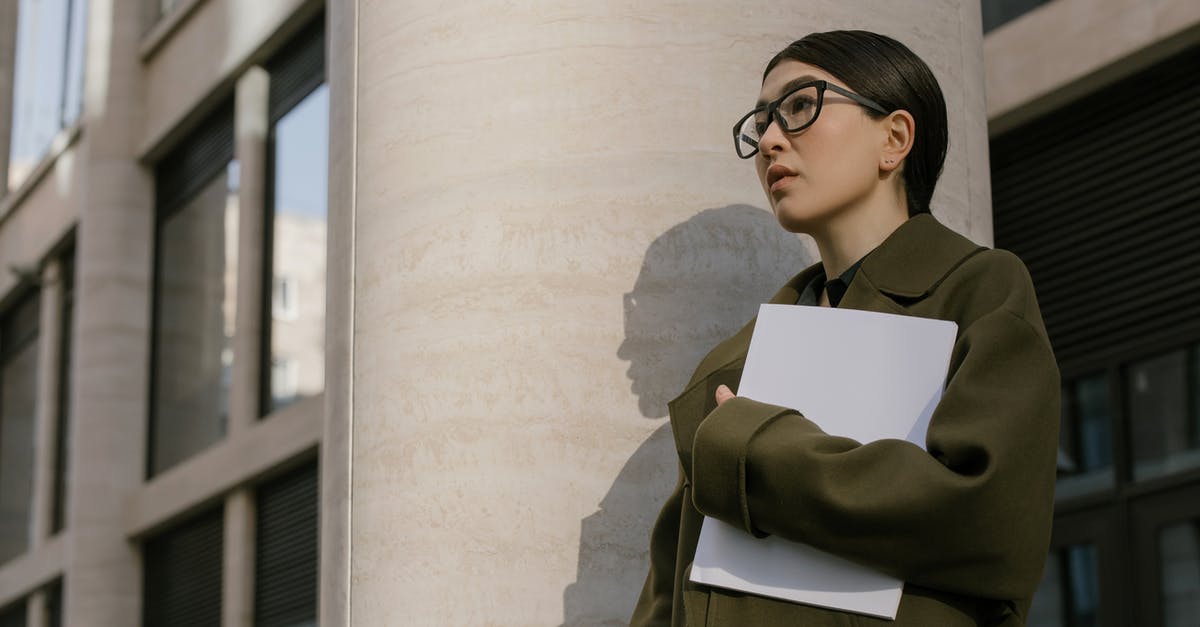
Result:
pixel 899 130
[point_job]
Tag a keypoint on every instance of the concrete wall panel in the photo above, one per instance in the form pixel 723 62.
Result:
pixel 1069 48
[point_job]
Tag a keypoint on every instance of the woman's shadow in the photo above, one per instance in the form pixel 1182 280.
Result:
pixel 699 283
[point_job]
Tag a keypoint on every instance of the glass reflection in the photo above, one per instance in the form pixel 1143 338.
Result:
pixel 47 79
pixel 1069 594
pixel 1179 559
pixel 1085 441
pixel 300 157
pixel 196 298
pixel 1159 421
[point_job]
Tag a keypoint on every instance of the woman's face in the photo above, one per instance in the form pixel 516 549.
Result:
pixel 814 175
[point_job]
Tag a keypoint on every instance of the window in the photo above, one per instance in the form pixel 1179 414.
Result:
pixel 195 294
pixel 59 515
pixel 165 7
pixel 286 563
pixel 18 391
pixel 285 382
pixel 47 80
pixel 997 13
pixel 1085 437
pixel 182 573
pixel 284 303
pixel 1179 560
pixel 1069 593
pixel 1164 435
pixel 298 150
pixel 13 615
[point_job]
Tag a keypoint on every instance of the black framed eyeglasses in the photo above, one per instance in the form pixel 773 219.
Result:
pixel 794 111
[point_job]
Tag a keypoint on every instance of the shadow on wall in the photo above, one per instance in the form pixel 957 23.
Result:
pixel 700 282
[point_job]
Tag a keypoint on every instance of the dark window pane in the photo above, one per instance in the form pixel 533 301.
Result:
pixel 1069 593
pixel 286 565
pixel 297 305
pixel 61 458
pixel 54 604
pixel 196 300
pixel 1085 438
pixel 18 392
pixel 1047 609
pixel 1158 411
pixel 999 12
pixel 13 615
pixel 182 570
pixel 1179 557
pixel 1194 390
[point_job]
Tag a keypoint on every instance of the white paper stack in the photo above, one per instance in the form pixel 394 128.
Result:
pixel 859 374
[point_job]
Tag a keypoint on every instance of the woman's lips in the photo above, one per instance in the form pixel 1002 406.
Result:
pixel 779 176
pixel 782 182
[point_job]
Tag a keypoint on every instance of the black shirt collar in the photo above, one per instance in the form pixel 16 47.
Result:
pixel 836 287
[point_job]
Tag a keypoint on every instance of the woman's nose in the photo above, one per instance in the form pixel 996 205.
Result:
pixel 773 139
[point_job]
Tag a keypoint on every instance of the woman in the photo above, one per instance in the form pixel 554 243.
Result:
pixel 848 138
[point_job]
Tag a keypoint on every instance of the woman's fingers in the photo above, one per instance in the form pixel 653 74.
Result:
pixel 723 394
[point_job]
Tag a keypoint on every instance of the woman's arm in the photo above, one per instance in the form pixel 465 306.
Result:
pixel 971 516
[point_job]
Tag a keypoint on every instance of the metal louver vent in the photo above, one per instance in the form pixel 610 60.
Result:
pixel 297 69
pixel 1101 199
pixel 286 537
pixel 186 170
pixel 182 569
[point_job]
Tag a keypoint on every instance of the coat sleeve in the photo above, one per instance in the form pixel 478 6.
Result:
pixel 970 516
pixel 654 605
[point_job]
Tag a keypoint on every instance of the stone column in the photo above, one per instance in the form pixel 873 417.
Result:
pixel 539 225
pixel 108 404
pixel 250 136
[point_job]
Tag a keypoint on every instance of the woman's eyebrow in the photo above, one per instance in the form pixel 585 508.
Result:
pixel 788 86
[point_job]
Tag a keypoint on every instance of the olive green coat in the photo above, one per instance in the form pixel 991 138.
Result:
pixel 965 525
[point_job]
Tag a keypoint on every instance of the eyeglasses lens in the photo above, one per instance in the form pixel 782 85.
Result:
pixel 797 110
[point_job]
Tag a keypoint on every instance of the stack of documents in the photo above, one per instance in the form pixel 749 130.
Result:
pixel 859 374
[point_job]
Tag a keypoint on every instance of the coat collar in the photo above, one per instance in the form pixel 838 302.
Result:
pixel 916 257
pixel 908 264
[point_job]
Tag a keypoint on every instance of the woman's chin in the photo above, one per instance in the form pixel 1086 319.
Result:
pixel 795 221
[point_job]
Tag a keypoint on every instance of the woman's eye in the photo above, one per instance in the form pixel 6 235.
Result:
pixel 761 124
pixel 799 105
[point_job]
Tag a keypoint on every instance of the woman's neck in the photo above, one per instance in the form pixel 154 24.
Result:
pixel 854 234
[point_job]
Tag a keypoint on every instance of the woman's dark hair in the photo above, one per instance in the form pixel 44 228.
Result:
pixel 886 71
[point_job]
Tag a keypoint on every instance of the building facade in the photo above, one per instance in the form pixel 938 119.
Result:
pixel 163 238
pixel 368 313
pixel 1101 201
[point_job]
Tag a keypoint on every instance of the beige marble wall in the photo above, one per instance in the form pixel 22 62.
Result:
pixel 548 228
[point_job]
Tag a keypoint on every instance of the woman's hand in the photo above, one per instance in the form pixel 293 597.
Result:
pixel 723 394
